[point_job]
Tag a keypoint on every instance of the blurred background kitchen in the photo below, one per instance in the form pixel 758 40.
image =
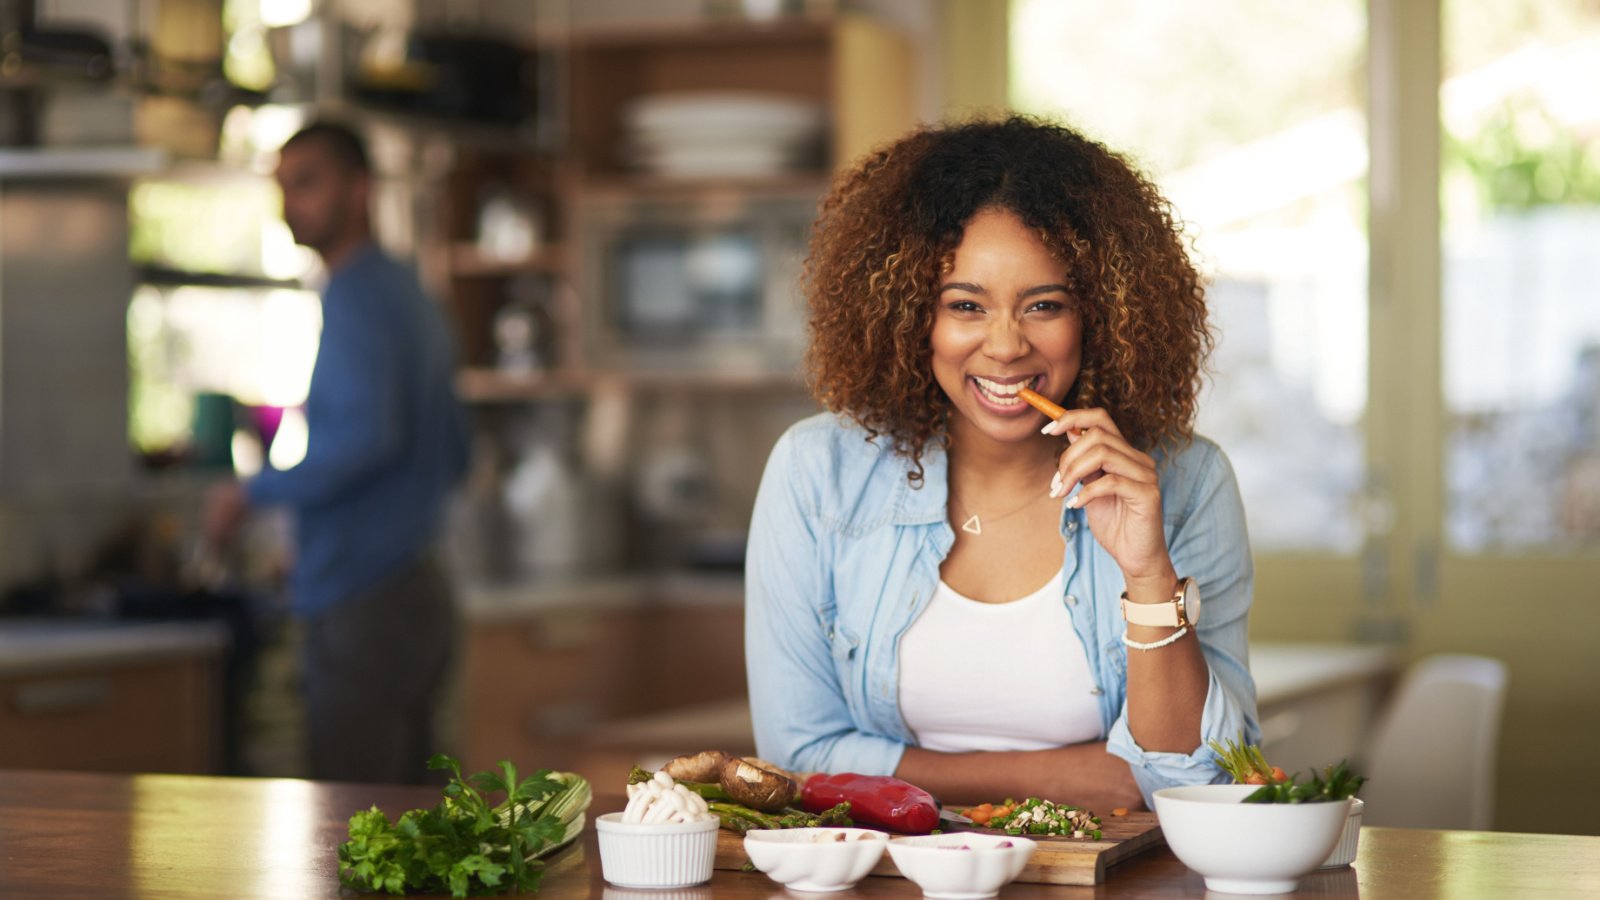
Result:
pixel 1398 203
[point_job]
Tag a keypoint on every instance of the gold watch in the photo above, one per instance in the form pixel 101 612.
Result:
pixel 1183 610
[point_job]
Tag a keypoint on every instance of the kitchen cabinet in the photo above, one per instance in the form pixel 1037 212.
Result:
pixel 111 698
pixel 543 667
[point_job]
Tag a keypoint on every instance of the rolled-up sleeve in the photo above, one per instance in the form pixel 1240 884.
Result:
pixel 797 701
pixel 1211 544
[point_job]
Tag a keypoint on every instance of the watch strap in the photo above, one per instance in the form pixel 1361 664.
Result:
pixel 1168 614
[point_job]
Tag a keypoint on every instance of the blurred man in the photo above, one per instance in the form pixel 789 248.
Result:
pixel 387 444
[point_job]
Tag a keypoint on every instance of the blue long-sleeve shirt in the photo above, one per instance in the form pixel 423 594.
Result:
pixel 387 436
pixel 844 555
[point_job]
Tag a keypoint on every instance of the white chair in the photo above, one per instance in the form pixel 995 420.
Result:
pixel 1431 763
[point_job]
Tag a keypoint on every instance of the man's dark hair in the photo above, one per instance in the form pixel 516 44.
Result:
pixel 342 142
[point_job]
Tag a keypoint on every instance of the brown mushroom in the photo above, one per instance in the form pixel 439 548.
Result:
pixel 757 787
pixel 705 766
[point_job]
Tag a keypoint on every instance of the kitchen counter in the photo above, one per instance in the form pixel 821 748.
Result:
pixel 496 602
pixel 34 646
pixel 72 834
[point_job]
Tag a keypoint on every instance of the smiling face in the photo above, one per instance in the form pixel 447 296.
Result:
pixel 1004 321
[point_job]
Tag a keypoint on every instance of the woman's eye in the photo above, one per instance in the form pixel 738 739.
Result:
pixel 963 306
pixel 1048 306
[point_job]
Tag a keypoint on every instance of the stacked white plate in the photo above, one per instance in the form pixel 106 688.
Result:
pixel 721 133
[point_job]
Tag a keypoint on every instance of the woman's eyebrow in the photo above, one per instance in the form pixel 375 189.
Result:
pixel 1044 289
pixel 971 288
pixel 967 286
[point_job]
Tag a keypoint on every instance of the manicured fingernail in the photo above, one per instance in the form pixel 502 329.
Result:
pixel 1074 500
pixel 1055 486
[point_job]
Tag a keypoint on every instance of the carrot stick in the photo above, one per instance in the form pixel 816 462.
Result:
pixel 1038 401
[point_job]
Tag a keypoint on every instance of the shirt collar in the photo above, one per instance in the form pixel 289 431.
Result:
pixel 925 504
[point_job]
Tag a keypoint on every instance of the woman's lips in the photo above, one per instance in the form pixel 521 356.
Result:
pixel 1001 397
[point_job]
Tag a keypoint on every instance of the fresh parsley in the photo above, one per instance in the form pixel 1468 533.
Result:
pixel 465 845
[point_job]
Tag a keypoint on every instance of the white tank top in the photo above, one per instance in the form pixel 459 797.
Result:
pixel 996 676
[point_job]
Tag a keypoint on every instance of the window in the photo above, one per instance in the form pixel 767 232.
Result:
pixel 1261 145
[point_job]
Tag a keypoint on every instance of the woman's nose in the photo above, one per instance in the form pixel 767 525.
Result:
pixel 1004 339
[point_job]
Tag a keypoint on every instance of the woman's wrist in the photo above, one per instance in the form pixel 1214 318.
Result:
pixel 1154 588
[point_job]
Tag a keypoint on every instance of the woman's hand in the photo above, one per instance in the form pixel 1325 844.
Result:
pixel 1121 494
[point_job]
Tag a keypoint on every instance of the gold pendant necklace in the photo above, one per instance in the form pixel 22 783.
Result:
pixel 974 523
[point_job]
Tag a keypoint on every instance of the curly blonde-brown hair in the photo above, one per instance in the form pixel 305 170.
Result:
pixel 889 227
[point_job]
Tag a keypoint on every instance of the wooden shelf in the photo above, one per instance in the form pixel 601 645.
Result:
pixel 468 261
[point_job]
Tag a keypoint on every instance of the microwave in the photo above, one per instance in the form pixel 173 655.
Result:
pixel 695 283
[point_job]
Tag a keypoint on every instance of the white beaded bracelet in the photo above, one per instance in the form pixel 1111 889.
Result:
pixel 1155 645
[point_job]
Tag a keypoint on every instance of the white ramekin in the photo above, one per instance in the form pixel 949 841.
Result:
pixel 656 856
pixel 1344 852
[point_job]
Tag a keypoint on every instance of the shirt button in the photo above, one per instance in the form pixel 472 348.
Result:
pixel 1096 691
pixel 1071 527
pixel 1072 600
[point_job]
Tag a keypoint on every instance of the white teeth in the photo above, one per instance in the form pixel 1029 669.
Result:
pixel 1004 394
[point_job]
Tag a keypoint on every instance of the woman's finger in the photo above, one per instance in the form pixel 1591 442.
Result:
pixel 1111 485
pixel 1095 438
pixel 1075 421
pixel 1098 462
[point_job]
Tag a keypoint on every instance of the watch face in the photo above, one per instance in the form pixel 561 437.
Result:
pixel 1191 601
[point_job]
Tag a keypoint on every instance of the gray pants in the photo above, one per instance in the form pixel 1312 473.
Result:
pixel 374 667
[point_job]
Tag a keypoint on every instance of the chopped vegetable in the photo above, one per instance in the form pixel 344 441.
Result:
pixel 1036 816
pixel 464 846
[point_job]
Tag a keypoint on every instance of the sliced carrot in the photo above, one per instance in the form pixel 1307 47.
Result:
pixel 1120 811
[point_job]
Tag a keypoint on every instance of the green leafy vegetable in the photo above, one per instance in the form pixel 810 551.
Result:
pixel 465 846
pixel 1333 783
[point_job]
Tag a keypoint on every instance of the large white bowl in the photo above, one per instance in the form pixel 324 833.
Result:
pixel 1247 848
pixel 656 856
pixel 812 859
pixel 945 872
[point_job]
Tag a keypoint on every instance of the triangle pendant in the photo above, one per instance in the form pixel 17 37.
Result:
pixel 972 525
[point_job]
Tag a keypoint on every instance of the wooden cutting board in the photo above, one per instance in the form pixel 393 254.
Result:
pixel 1056 861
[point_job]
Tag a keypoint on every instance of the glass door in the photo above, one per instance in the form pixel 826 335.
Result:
pixel 1519 437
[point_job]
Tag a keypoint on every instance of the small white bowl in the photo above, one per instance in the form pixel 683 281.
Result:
pixel 812 859
pixel 672 855
pixel 1344 852
pixel 945 871
pixel 1247 848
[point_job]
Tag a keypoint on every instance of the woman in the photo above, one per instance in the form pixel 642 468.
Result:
pixel 934 585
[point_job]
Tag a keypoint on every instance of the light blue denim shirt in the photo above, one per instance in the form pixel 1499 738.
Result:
pixel 844 554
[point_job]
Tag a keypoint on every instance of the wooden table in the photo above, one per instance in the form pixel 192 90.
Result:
pixel 93 835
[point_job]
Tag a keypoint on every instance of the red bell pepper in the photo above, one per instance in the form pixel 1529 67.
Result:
pixel 874 800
